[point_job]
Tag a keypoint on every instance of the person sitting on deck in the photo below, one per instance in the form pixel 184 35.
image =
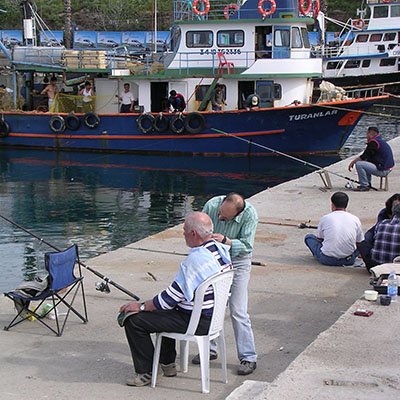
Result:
pixel 176 101
pixel 338 234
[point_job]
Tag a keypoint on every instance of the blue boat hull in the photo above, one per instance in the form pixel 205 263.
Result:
pixel 301 129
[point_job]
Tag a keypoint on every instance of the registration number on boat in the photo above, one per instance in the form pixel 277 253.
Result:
pixel 206 52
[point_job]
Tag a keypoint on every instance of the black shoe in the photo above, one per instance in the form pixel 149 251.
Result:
pixel 246 367
pixel 362 188
pixel 196 359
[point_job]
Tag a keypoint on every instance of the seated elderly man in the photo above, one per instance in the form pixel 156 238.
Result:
pixel 170 310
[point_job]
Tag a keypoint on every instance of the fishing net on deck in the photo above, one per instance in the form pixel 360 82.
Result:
pixel 66 103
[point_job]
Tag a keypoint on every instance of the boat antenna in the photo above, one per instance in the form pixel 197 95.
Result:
pixel 289 156
pixel 102 286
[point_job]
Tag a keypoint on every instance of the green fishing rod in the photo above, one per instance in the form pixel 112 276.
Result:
pixel 101 286
pixel 289 156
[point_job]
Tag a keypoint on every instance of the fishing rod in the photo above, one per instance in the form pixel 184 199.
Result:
pixel 101 286
pixel 289 156
pixel 302 225
pixel 179 254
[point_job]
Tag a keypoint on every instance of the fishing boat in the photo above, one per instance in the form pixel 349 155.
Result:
pixel 366 50
pixel 258 48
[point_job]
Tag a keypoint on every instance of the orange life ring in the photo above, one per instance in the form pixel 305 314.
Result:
pixel 301 6
pixel 386 1
pixel 263 12
pixel 205 11
pixel 359 23
pixel 316 9
pixel 228 7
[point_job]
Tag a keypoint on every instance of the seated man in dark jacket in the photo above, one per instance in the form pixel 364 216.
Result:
pixel 386 242
pixel 377 160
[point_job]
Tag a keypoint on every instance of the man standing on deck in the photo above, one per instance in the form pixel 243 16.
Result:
pixel 126 100
pixel 235 222
pixel 377 160
pixel 50 90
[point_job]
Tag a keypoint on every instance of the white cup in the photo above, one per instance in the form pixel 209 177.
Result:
pixel 371 295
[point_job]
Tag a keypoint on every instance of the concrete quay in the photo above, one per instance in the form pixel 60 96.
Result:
pixel 310 345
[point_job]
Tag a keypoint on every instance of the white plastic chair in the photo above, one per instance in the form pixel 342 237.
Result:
pixel 221 283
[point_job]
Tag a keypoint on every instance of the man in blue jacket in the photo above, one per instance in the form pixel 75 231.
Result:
pixel 377 160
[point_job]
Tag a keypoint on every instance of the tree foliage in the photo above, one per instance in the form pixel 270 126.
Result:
pixel 120 15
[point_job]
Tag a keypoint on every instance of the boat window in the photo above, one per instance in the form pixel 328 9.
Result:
pixel 334 64
pixel 387 62
pixel 230 38
pixel 352 64
pixel 362 38
pixel 375 37
pixel 296 38
pixel 381 11
pixel 395 11
pixel 306 40
pixel 199 39
pixel 201 91
pixel 277 91
pixel 389 36
pixel 366 63
pixel 282 38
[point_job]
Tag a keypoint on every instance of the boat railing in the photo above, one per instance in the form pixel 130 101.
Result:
pixel 183 10
pixel 363 92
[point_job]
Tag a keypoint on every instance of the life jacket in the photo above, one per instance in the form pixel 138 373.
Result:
pixel 383 158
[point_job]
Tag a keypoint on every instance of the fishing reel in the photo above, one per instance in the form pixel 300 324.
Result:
pixel 103 287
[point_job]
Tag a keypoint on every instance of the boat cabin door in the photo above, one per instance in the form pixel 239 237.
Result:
pixel 265 89
pixel 263 43
pixel 281 42
pixel 159 96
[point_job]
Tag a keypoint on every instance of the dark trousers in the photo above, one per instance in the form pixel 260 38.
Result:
pixel 125 108
pixel 139 326
pixel 365 251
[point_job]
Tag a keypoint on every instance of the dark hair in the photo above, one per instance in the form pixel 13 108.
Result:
pixel 389 203
pixel 340 199
pixel 373 128
pixel 87 83
pixel 126 83
pixel 172 93
pixel 396 210
pixel 237 200
pixel 53 78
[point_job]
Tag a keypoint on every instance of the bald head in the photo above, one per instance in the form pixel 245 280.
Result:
pixel 197 229
pixel 232 205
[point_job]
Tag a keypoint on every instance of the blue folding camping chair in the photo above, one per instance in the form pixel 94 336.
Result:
pixel 62 289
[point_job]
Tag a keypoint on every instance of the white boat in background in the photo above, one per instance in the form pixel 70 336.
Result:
pixel 367 51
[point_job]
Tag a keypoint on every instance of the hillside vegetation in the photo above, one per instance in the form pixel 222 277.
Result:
pixel 129 15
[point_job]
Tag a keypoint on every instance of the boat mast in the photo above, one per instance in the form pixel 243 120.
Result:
pixel 28 23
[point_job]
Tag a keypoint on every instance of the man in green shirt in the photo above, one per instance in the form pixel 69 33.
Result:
pixel 235 222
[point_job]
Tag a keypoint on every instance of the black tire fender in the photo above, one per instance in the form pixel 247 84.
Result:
pixel 72 122
pixel 4 128
pixel 160 123
pixel 91 120
pixel 145 122
pixel 194 122
pixel 57 124
pixel 177 123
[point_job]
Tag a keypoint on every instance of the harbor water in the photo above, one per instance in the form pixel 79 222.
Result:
pixel 105 201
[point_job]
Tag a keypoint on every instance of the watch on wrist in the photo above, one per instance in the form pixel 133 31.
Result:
pixel 142 307
pixel 223 241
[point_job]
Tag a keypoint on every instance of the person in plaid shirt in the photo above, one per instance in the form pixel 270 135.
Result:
pixel 386 244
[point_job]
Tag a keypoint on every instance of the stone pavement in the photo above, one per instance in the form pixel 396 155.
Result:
pixel 309 343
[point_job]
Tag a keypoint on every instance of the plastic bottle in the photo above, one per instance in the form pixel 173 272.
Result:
pixel 392 288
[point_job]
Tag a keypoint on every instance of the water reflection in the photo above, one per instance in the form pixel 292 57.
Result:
pixel 106 201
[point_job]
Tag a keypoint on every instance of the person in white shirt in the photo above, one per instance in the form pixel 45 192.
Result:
pixel 126 100
pixel 338 234
pixel 87 90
